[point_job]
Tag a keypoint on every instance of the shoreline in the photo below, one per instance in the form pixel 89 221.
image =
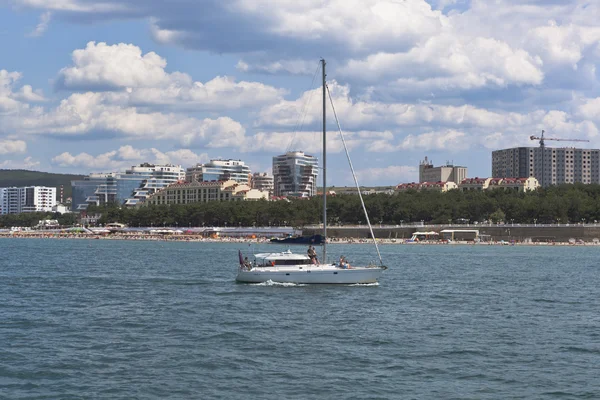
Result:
pixel 264 240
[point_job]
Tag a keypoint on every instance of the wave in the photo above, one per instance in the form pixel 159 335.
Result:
pixel 271 283
pixel 365 284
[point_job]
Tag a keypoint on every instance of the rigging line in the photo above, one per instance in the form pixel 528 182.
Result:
pixel 300 124
pixel 354 175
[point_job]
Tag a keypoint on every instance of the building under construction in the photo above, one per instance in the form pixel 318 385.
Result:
pixel 550 166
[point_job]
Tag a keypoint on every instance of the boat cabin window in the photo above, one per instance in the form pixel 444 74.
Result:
pixel 290 262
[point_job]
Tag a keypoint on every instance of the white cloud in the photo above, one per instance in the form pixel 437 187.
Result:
pixel 12 146
pixel 392 173
pixel 127 156
pixel 42 26
pixel 449 140
pixel 590 109
pixel 449 61
pixel 75 5
pixel 88 113
pixel 295 67
pixel 141 80
pixel 27 163
pixel 118 66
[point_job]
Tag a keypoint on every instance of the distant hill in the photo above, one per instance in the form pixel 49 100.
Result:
pixel 21 177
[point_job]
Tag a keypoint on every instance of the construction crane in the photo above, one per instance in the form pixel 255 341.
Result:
pixel 542 138
pixel 543 147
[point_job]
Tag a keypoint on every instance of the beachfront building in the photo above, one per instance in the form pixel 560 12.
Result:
pixel 444 173
pixel 128 188
pixel 295 174
pixel 435 186
pixel 16 200
pixel 514 184
pixel 201 192
pixel 474 184
pixel 519 184
pixel 263 182
pixel 219 170
pixel 554 166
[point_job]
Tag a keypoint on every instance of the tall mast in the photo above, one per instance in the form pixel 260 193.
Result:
pixel 324 164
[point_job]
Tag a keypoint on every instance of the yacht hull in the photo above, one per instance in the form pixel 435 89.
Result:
pixel 315 275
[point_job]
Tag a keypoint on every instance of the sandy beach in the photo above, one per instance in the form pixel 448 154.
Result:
pixel 232 239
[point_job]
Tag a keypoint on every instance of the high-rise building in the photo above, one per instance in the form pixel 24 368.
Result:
pixel 219 170
pixel 295 174
pixel 445 173
pixel 262 181
pixel 554 167
pixel 16 200
pixel 128 188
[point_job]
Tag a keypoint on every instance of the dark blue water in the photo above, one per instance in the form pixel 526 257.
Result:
pixel 83 319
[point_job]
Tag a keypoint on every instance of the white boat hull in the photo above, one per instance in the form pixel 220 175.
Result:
pixel 327 274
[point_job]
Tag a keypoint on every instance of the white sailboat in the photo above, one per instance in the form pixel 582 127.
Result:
pixel 291 267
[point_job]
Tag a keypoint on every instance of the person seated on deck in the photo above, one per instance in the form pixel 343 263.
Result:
pixel 312 254
pixel 344 263
pixel 247 263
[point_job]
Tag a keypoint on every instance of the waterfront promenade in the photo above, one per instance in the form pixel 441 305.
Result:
pixel 386 235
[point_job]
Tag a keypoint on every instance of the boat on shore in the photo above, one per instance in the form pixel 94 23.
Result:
pixel 303 240
pixel 288 267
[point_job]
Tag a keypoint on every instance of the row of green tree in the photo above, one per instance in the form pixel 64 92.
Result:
pixel 32 219
pixel 565 203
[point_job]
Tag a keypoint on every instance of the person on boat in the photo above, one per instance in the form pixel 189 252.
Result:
pixel 344 263
pixel 312 254
pixel 247 263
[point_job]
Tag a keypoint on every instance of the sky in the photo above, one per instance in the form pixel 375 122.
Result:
pixel 99 86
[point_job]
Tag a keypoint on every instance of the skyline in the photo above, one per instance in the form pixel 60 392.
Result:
pixel 89 86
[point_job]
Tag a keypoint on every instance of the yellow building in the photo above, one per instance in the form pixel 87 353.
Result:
pixel 436 186
pixel 200 192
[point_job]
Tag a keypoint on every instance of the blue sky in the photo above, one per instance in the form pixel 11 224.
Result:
pixel 97 86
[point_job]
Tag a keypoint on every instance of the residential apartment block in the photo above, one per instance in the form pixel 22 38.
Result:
pixel 445 173
pixel 219 170
pixel 513 184
pixel 295 174
pixel 201 192
pixel 435 186
pixel 16 200
pixel 128 188
pixel 263 182
pixel 554 166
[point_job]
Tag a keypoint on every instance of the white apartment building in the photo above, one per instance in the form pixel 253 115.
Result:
pixel 16 200
pixel 128 188
pixel 295 174
pixel 219 170
pixel 554 167
pixel 445 173
pixel 263 182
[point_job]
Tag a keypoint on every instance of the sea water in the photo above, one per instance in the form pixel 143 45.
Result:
pixel 82 319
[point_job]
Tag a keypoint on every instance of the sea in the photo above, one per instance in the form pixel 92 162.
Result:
pixel 115 319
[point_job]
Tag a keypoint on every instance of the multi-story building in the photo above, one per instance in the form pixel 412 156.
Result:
pixel 128 188
pixel 554 166
pixel 295 174
pixel 263 182
pixel 219 170
pixel 435 186
pixel 3 201
pixel 94 189
pixel 201 192
pixel 445 173
pixel 516 184
pixel 16 200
